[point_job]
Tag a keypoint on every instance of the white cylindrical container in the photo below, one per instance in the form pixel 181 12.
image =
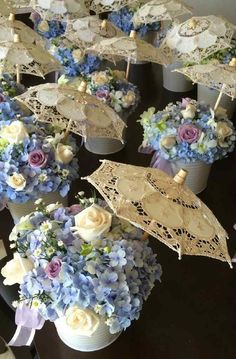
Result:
pixel 198 173
pixel 100 339
pixel 106 146
pixel 209 96
pixel 19 210
pixel 174 81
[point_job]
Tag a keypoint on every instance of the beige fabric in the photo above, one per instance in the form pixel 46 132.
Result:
pixel 159 10
pixel 29 58
pixel 213 76
pixel 83 113
pixel 3 252
pixel 88 31
pixel 100 6
pixel 60 9
pixel 153 201
pixel 133 49
pixel 199 37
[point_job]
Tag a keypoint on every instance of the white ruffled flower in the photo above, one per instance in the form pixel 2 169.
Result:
pixel 16 181
pixel 14 133
pixel 64 153
pixel 82 321
pixel 43 26
pixel 77 55
pixel 15 270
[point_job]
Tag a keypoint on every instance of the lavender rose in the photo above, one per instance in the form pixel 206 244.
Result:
pixel 37 159
pixel 53 268
pixel 189 133
pixel 102 94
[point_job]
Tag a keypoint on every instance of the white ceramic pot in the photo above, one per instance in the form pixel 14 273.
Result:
pixel 198 173
pixel 100 339
pixel 106 146
pixel 19 210
pixel 174 81
pixel 209 96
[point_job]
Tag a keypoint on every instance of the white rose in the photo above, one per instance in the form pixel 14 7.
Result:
pixel 15 270
pixel 64 153
pixel 82 321
pixel 16 181
pixel 43 26
pixel 15 132
pixel 52 207
pixel 92 222
pixel 77 55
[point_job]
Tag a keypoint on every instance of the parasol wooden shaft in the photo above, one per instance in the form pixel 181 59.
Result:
pixel 132 36
pixel 67 132
pixel 219 98
pixel 17 40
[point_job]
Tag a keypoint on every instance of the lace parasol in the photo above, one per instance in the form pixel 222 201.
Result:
pixel 131 48
pixel 159 10
pixel 76 111
pixel 100 6
pixel 20 57
pixel 6 8
pixel 164 208
pixel 199 37
pixel 10 27
pixel 90 30
pixel 217 76
pixel 60 9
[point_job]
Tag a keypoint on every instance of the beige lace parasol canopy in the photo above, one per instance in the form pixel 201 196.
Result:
pixel 219 77
pixel 60 9
pixel 73 110
pixel 199 37
pixel 131 48
pixel 159 10
pixel 162 206
pixel 20 57
pixel 100 6
pixel 90 30
pixel 6 8
pixel 10 27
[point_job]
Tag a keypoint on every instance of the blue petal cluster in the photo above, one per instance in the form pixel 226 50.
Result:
pixel 53 28
pixel 123 20
pixel 112 276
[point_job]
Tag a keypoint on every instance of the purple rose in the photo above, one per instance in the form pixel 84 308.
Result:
pixel 189 133
pixel 37 159
pixel 102 94
pixel 2 98
pixel 74 209
pixel 53 268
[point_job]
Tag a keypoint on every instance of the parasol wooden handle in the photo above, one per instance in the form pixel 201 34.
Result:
pixel 180 177
pixel 67 132
pixel 132 35
pixel 233 64
pixel 17 40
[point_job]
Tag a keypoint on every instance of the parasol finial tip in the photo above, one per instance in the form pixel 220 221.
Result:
pixel 180 177
pixel 192 24
pixel 233 62
pixel 12 17
pixel 133 34
pixel 82 87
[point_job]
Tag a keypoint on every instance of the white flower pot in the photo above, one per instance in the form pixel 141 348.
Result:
pixel 209 96
pixel 106 146
pixel 100 339
pixel 174 81
pixel 198 173
pixel 19 210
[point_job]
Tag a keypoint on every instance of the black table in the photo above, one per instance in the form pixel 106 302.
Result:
pixel 192 313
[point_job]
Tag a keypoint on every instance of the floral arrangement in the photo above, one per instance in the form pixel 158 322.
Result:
pixel 123 20
pixel 47 29
pixel 188 130
pixel 111 87
pixel 34 160
pixel 82 264
pixel 73 59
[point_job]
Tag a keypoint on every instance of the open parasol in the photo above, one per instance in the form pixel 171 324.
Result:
pixel 217 76
pixel 60 9
pixel 100 6
pixel 163 207
pixel 160 10
pixel 90 30
pixel 9 27
pixel 19 57
pixel 199 37
pixel 75 111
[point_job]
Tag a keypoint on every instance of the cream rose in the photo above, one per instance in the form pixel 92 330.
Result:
pixel 168 142
pixel 64 153
pixel 100 78
pixel 129 99
pixel 92 222
pixel 119 75
pixel 15 270
pixel 223 131
pixel 77 55
pixel 82 321
pixel 15 132
pixel 43 26
pixel 16 181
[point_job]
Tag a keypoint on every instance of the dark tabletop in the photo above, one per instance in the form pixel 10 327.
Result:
pixel 192 313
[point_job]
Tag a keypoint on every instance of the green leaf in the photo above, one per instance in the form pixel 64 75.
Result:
pixel 86 249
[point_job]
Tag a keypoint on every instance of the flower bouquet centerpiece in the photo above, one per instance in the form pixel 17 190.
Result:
pixel 83 269
pixel 111 87
pixel 47 29
pixel 187 135
pixel 34 161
